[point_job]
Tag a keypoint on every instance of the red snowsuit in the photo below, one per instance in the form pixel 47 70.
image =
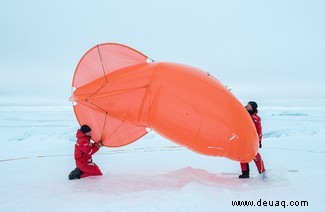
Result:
pixel 82 154
pixel 257 159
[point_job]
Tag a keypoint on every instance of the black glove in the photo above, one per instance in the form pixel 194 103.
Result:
pixel 260 144
pixel 100 144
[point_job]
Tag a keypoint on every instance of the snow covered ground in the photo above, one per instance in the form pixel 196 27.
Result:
pixel 154 174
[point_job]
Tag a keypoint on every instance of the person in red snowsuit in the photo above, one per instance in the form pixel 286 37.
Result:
pixel 83 152
pixel 251 107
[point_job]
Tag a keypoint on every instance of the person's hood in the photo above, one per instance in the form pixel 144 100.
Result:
pixel 80 134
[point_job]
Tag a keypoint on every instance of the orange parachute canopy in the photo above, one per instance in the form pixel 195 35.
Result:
pixel 120 94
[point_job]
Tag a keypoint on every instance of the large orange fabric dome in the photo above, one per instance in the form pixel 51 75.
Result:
pixel 119 94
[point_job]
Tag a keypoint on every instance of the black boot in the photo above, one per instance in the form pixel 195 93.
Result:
pixel 75 174
pixel 245 174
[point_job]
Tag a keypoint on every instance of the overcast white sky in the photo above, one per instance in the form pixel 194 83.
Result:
pixel 262 49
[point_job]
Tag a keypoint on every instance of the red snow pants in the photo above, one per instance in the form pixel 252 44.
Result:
pixel 89 169
pixel 258 162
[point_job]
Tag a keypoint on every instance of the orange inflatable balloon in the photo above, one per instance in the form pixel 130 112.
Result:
pixel 120 94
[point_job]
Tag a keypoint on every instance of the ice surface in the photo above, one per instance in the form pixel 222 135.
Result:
pixel 154 174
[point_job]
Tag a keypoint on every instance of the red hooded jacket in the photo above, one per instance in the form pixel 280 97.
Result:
pixel 257 121
pixel 84 149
